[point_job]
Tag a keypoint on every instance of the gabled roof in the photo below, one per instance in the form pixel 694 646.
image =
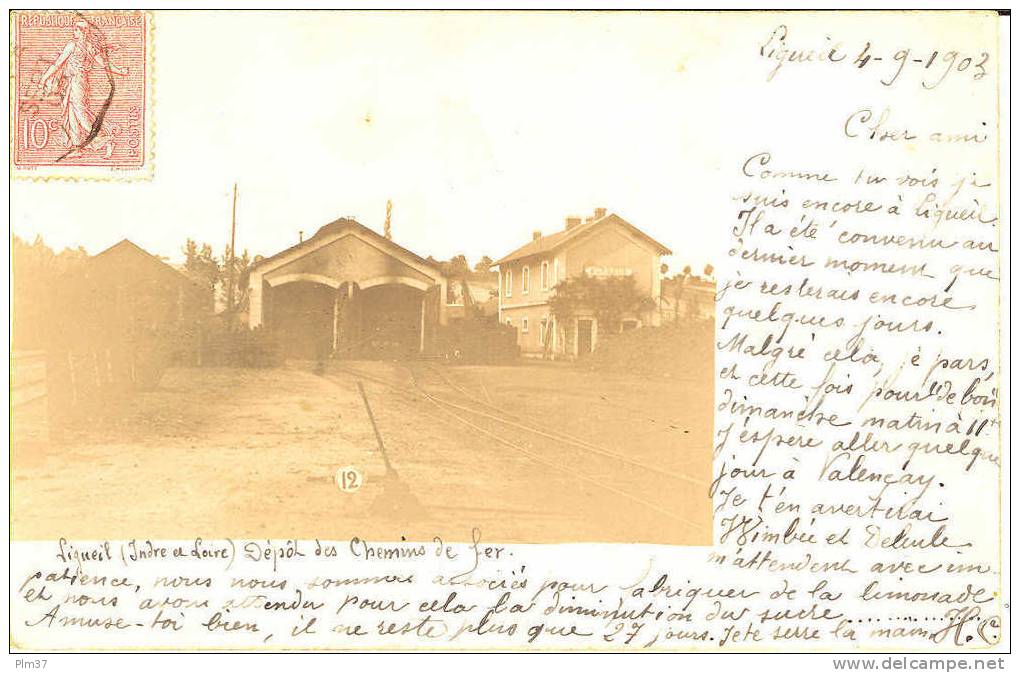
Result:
pixel 558 240
pixel 339 226
pixel 126 247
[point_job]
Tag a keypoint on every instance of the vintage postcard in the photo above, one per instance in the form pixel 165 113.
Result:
pixel 510 331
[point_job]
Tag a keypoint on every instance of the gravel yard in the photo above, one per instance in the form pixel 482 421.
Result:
pixel 537 452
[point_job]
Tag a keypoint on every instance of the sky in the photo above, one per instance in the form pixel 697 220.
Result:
pixel 480 129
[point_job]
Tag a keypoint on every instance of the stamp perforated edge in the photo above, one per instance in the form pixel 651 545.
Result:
pixel 89 173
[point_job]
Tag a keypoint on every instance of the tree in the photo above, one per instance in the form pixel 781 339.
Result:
pixel 239 277
pixel 40 279
pixel 609 299
pixel 457 266
pixel 243 267
pixel 203 268
pixel 484 265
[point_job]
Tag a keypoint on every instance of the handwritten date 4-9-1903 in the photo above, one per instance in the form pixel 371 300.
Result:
pixel 930 66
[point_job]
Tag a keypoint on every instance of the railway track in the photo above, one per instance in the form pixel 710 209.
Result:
pixel 531 426
pixel 646 487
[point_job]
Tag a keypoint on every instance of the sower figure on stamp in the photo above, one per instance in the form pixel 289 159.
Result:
pixel 69 75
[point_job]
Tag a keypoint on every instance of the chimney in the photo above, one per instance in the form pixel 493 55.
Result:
pixel 599 213
pixel 572 221
pixel 301 237
pixel 535 235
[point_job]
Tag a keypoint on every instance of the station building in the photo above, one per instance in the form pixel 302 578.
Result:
pixel 603 244
pixel 351 292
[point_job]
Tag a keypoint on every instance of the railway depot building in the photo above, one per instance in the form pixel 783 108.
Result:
pixel 601 245
pixel 351 292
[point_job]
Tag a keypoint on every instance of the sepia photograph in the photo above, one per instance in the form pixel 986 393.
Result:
pixel 539 365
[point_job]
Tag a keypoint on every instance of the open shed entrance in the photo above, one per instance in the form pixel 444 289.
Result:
pixel 391 321
pixel 302 319
pixel 314 321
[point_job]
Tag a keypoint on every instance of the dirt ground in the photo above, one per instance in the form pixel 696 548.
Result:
pixel 537 453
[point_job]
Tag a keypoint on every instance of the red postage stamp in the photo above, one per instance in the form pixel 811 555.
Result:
pixel 81 94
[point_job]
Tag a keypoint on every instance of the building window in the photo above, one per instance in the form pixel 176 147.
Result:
pixel 508 283
pixel 543 328
pixel 524 325
pixel 556 271
pixel 525 279
pixel 545 275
